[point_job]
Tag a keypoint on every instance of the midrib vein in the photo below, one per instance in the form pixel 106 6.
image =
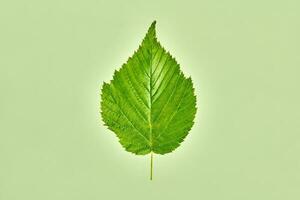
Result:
pixel 150 98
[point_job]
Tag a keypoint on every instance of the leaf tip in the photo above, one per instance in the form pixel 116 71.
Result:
pixel 153 24
pixel 151 30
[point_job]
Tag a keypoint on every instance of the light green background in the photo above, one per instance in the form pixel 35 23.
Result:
pixel 243 57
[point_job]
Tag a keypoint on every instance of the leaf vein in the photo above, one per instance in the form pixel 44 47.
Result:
pixel 132 124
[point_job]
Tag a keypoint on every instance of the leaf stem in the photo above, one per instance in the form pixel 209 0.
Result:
pixel 151 166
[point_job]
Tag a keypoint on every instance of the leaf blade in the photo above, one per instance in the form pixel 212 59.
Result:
pixel 149 104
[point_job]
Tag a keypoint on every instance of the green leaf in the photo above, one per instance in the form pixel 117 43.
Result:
pixel 150 105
